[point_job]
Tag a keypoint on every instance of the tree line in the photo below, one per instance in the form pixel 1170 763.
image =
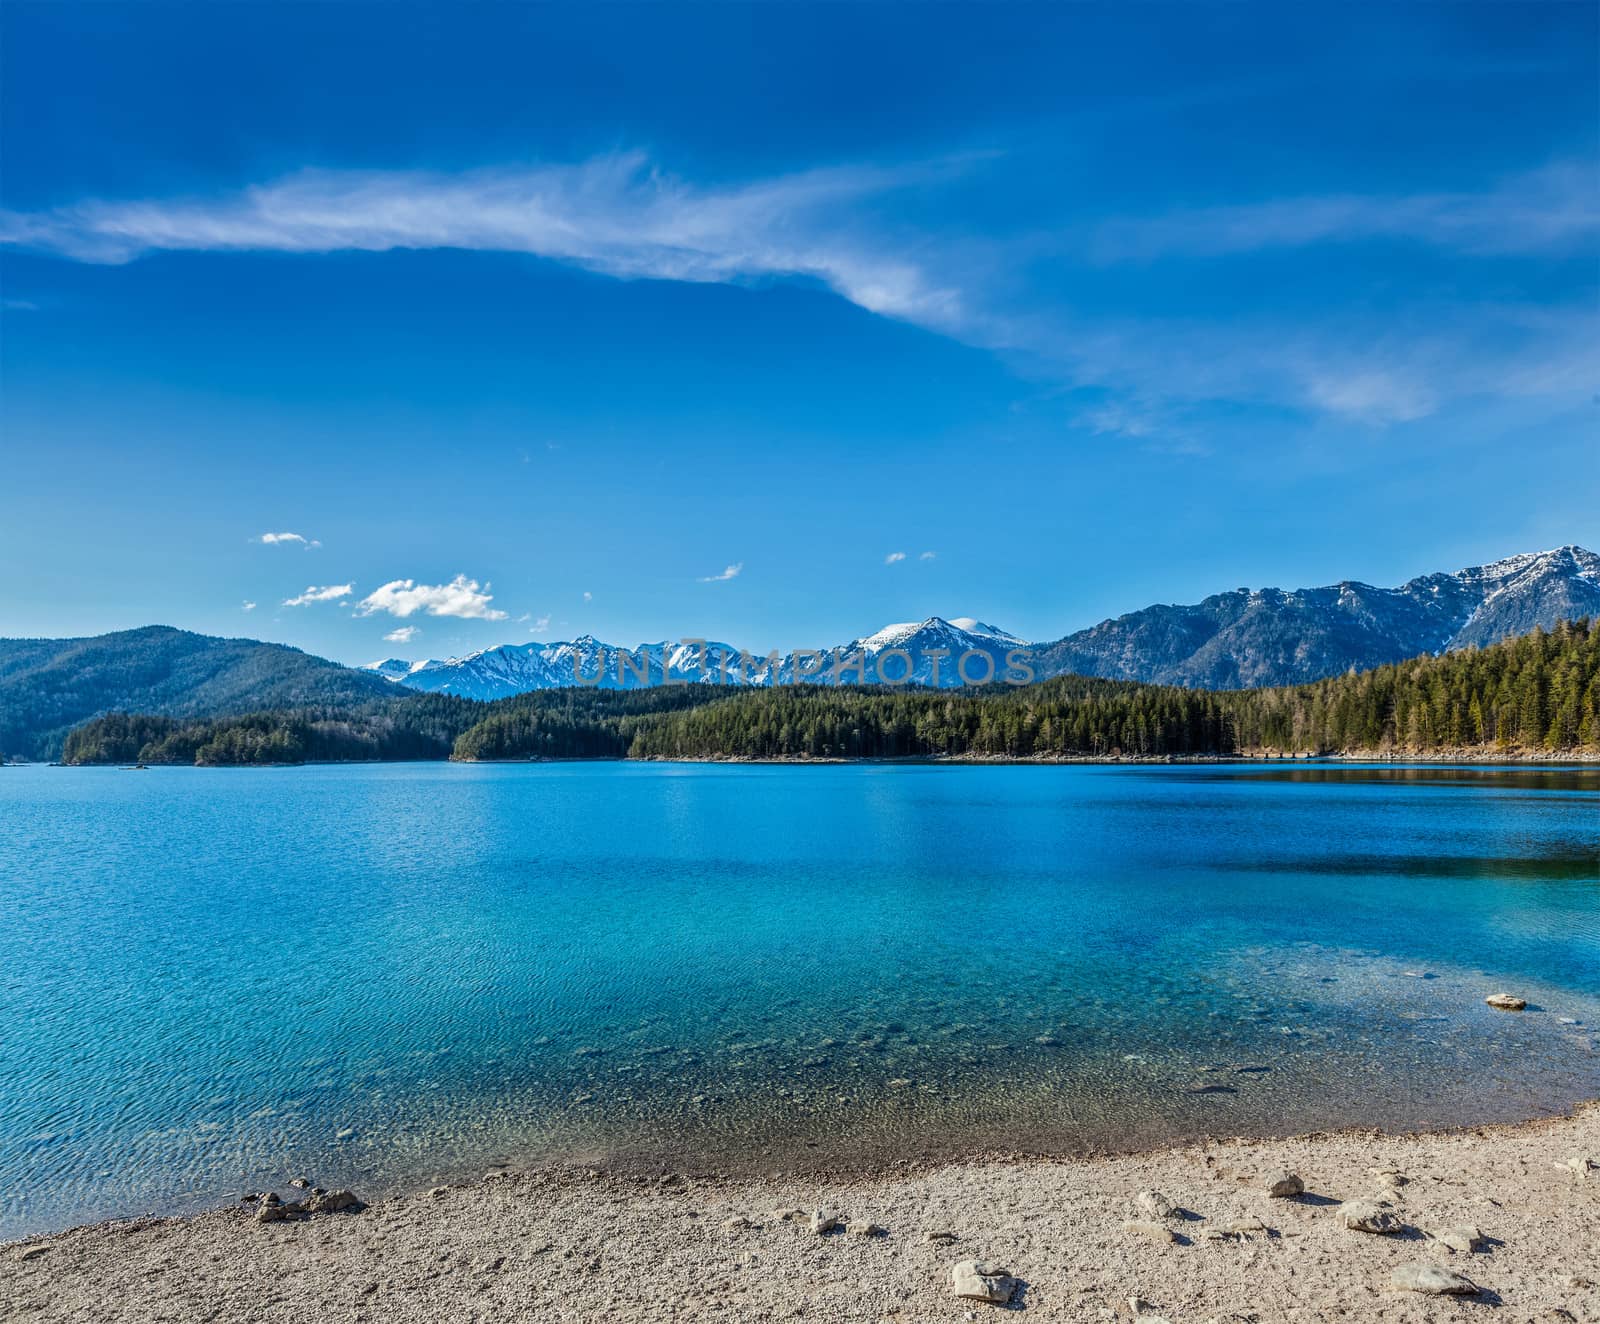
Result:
pixel 1539 693
pixel 417 726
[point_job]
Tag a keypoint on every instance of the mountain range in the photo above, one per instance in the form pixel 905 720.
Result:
pixel 1246 638
pixel 931 652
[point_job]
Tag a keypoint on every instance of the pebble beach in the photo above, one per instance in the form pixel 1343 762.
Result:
pixel 1494 1222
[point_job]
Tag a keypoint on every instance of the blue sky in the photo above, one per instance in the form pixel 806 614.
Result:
pixel 777 323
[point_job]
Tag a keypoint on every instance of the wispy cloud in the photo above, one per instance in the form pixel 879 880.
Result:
pixel 461 597
pixel 19 305
pixel 247 605
pixel 327 593
pixel 893 557
pixel 622 216
pixel 732 572
pixel 616 214
pixel 1553 208
pixel 287 539
pixel 927 556
pixel 402 634
pixel 588 597
pixel 540 626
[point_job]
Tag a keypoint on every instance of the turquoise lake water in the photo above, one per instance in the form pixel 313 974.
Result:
pixel 380 976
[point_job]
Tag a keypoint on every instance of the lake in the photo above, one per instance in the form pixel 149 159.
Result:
pixel 385 975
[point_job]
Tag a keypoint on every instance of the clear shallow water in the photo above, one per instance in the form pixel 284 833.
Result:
pixel 213 980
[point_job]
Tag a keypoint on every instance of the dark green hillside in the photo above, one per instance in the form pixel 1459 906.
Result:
pixel 49 686
pixel 1536 694
pixel 575 723
pixel 417 726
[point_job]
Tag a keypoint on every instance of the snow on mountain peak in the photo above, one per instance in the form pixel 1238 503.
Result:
pixel 971 626
pixel 894 636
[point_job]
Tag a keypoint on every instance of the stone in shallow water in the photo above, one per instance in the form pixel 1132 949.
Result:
pixel 1367 1216
pixel 978 1281
pixel 1506 1001
pixel 1431 1280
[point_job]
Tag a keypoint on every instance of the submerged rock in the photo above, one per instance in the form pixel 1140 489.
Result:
pixel 1432 1280
pixel 1506 1001
pixel 982 1282
pixel 1367 1216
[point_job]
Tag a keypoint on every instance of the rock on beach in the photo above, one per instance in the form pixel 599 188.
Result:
pixel 978 1281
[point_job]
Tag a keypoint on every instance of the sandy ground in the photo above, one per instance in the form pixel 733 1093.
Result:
pixel 578 1244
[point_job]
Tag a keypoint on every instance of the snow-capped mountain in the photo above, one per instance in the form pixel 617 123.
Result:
pixel 1272 637
pixel 1244 638
pixel 936 652
pixel 930 652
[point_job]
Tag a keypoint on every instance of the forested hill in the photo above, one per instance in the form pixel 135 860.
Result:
pixel 416 726
pixel 49 686
pixel 1538 694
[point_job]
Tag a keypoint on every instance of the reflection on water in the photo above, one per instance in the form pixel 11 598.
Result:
pixel 211 980
pixel 1511 777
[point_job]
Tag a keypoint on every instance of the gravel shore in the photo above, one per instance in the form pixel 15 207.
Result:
pixel 1085 1239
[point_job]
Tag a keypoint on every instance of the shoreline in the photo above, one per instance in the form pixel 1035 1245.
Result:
pixel 573 1241
pixel 1564 759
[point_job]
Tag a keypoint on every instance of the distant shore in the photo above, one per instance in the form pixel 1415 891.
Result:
pixel 1510 1209
pixel 1457 758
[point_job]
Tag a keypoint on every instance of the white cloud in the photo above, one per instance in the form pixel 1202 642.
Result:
pixel 616 214
pixel 405 597
pixel 1372 396
pixel 588 597
pixel 403 634
pixel 893 557
pixel 1552 208
pixel 732 572
pixel 927 556
pixel 540 626
pixel 273 539
pixel 248 605
pixel 622 216
pixel 329 593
